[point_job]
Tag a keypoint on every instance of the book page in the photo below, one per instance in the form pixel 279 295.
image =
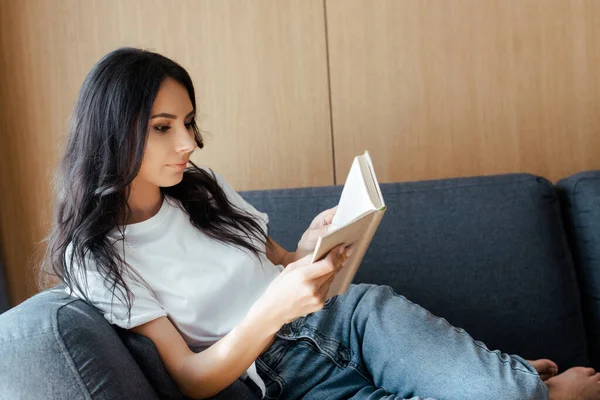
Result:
pixel 372 182
pixel 355 220
pixel 354 201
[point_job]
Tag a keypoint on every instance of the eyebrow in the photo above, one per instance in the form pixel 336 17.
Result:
pixel 166 115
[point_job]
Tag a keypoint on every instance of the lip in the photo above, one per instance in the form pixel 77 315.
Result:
pixel 180 166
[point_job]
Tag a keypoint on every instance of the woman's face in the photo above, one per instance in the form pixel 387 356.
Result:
pixel 170 137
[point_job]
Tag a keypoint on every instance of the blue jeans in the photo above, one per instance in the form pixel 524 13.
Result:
pixel 371 343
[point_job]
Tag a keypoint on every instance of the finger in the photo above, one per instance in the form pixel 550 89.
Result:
pixel 320 281
pixel 324 288
pixel 349 250
pixel 323 218
pixel 315 233
pixel 326 266
pixel 321 232
pixel 331 275
pixel 330 214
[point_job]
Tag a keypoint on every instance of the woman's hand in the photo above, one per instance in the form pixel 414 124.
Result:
pixel 300 289
pixel 318 227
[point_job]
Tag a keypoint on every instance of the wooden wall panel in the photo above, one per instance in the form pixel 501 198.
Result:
pixel 433 88
pixel 443 88
pixel 259 69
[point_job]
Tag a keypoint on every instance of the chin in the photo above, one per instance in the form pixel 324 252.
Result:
pixel 172 180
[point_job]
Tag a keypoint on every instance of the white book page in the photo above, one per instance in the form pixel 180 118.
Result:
pixel 354 201
pixel 376 196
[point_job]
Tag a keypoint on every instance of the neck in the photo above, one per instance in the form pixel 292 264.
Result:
pixel 144 201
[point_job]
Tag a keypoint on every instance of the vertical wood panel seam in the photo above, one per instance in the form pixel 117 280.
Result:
pixel 329 91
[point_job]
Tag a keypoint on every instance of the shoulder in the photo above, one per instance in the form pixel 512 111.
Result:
pixel 93 284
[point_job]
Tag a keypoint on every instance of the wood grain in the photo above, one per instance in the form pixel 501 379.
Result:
pixel 259 69
pixel 444 88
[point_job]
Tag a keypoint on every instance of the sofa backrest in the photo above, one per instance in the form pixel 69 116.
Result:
pixel 489 254
pixel 580 195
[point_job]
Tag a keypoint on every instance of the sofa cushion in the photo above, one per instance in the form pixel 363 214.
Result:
pixel 487 253
pixel 57 347
pixel 581 199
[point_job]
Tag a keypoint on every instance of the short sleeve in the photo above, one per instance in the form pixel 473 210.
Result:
pixel 238 200
pixel 144 306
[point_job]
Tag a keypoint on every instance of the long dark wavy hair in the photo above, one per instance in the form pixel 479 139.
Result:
pixel 104 151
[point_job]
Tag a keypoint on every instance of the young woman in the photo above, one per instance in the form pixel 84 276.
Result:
pixel 171 251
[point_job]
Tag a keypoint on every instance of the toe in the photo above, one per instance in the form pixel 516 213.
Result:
pixel 545 368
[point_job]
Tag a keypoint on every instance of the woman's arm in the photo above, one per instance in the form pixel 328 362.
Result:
pixel 280 256
pixel 300 289
pixel 318 227
pixel 202 375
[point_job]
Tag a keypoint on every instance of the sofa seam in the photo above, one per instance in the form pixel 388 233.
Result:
pixel 69 359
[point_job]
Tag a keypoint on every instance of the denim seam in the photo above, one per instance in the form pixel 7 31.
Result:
pixel 14 339
pixel 329 302
pixel 67 353
pixel 319 350
pixel 355 367
pixel 317 333
pixel 500 359
pixel 464 333
pixel 272 375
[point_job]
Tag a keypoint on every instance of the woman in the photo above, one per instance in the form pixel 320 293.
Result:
pixel 175 254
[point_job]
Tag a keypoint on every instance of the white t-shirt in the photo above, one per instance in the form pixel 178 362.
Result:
pixel 203 286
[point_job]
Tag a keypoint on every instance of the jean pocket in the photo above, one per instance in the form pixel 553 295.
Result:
pixel 330 302
pixel 274 383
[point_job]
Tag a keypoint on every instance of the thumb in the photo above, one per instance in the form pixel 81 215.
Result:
pixel 322 231
pixel 314 233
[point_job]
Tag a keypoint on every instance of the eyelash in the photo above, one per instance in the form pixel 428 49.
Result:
pixel 158 127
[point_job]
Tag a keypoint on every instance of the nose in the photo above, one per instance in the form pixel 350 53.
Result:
pixel 185 141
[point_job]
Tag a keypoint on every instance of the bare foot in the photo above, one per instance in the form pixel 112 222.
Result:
pixel 577 383
pixel 545 368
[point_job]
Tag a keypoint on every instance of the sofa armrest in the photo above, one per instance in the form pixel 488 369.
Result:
pixel 55 346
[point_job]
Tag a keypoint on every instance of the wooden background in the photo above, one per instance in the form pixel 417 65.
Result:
pixel 289 91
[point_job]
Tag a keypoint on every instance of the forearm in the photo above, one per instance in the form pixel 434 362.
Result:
pixel 225 361
pixel 292 256
pixel 289 257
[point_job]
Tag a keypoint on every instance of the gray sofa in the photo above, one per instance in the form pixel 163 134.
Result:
pixel 513 259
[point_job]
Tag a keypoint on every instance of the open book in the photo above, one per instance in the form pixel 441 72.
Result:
pixel 357 217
